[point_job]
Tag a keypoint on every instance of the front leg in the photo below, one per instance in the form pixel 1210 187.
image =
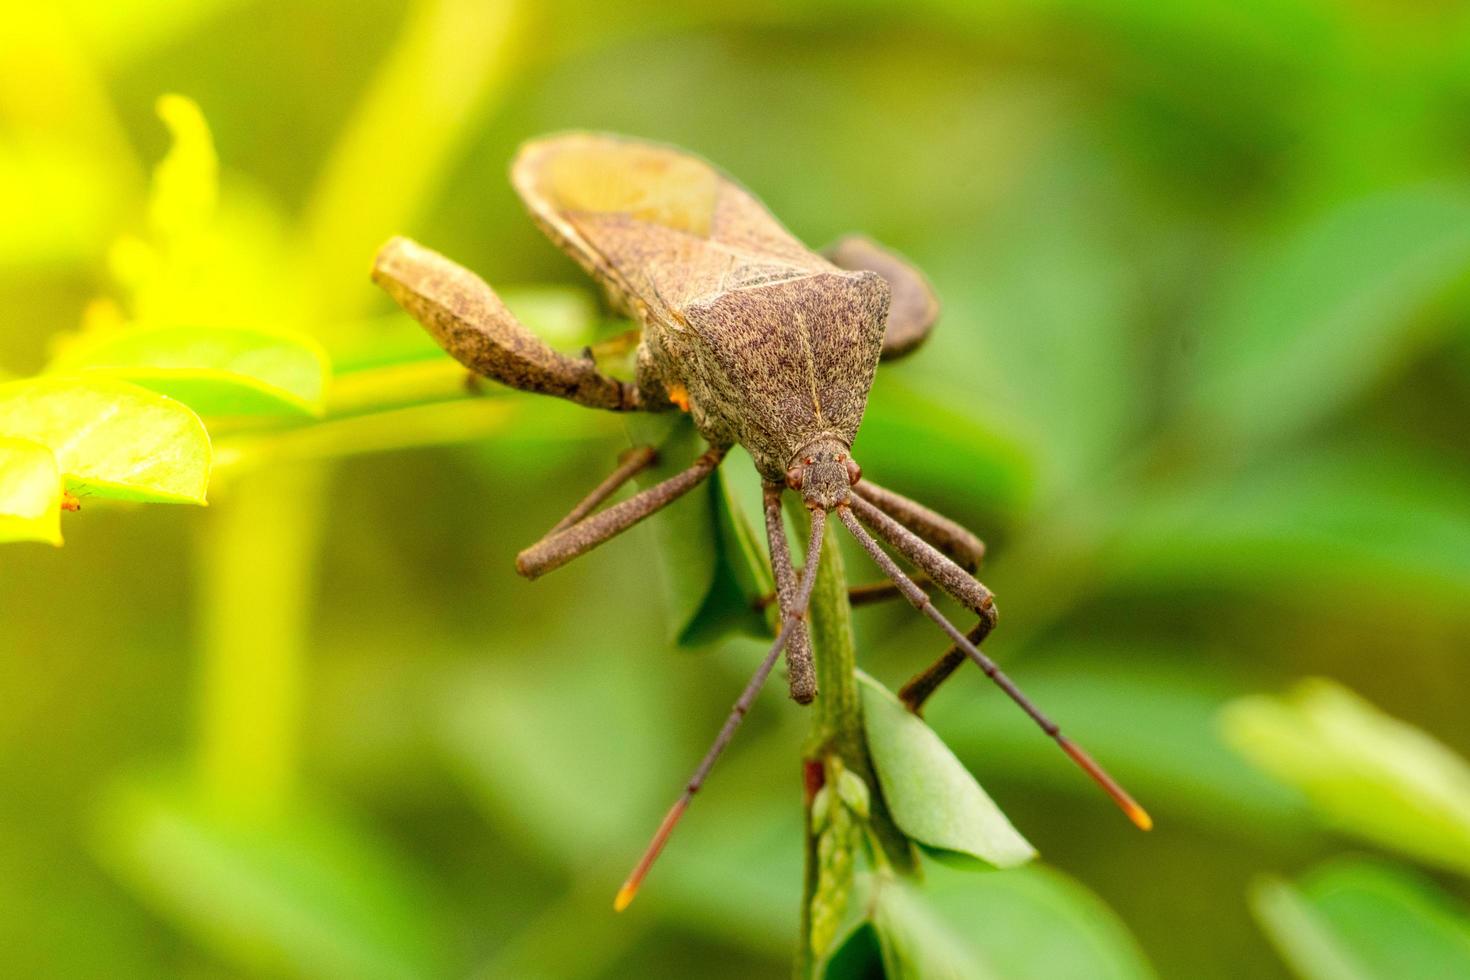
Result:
pixel 913 307
pixel 944 572
pixel 470 322
pixel 799 666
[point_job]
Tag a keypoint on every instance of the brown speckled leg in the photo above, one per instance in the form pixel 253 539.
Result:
pixel 802 673
pixel 474 326
pixel 630 464
pixel 913 308
pixel 949 537
pixel 945 573
pixel 560 547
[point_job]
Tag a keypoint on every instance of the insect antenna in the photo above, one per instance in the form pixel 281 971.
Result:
pixel 795 619
pixel 920 599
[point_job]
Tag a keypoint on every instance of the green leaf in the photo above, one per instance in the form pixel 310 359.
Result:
pixel 742 572
pixel 186 180
pixel 915 943
pixel 525 736
pixel 215 371
pixel 713 565
pixel 1030 923
pixel 306 894
pixel 1035 923
pixel 1359 919
pixel 688 529
pixel 1305 941
pixel 1307 525
pixel 1191 775
pixel 1365 773
pixel 30 492
pixel 111 438
pixel 932 797
pixel 1322 314
pixel 914 437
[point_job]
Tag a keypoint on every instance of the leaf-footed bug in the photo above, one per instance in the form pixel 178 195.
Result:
pixel 764 342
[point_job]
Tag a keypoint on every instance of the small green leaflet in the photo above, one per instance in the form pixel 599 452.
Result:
pixel 933 798
pixel 30 492
pixel 217 371
pixel 111 438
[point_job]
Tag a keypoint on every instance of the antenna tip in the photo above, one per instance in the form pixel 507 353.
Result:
pixel 626 894
pixel 1139 816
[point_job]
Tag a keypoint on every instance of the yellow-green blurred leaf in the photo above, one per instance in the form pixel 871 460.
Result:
pixel 30 492
pixel 933 798
pixel 111 438
pixel 59 203
pixel 1365 773
pixel 213 370
pixel 186 181
pixel 1360 920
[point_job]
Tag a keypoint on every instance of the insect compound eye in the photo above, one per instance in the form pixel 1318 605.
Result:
pixel 854 472
pixel 793 478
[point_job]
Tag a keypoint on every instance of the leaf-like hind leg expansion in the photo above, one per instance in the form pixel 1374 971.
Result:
pixel 469 321
pixel 913 308
pixel 802 673
pixel 560 547
pixel 944 571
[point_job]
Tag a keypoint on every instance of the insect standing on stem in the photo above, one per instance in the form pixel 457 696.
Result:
pixel 764 343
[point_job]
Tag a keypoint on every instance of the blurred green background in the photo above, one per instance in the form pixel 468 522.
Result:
pixel 1202 383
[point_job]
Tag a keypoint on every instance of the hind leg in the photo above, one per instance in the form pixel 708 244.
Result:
pixel 469 321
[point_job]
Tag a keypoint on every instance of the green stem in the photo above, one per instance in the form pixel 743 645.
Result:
pixel 257 563
pixel 837 731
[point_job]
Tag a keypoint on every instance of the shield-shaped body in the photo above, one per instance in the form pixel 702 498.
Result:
pixel 772 345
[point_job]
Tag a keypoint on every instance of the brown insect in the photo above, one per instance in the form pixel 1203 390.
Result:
pixel 764 342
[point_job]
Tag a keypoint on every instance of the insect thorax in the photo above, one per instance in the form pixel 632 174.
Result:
pixel 778 366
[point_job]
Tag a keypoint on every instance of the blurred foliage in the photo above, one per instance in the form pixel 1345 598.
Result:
pixel 1201 382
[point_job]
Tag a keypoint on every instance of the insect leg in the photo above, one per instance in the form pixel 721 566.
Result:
pixel 560 547
pixel 630 464
pixel 803 677
pixel 469 321
pixel 945 573
pixel 950 537
pixel 921 602
pixel 912 306
pixel 792 620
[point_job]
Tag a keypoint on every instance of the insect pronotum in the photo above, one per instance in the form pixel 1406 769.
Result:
pixel 764 343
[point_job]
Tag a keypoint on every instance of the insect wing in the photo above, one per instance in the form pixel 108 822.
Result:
pixel 656 226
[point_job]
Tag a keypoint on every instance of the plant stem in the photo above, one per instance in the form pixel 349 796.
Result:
pixel 257 563
pixel 837 730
